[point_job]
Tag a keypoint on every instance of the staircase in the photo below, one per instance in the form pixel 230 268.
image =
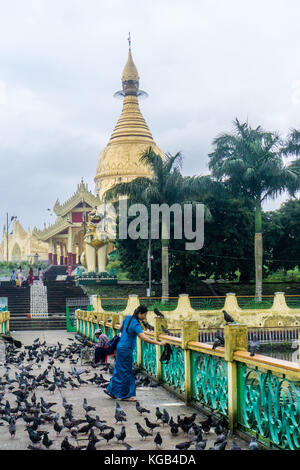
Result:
pixel 19 304
pixel 57 270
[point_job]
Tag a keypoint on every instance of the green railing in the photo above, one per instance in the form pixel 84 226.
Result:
pixel 259 395
pixel 269 406
pixel 209 381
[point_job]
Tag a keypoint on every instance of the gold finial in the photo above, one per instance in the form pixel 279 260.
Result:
pixel 130 71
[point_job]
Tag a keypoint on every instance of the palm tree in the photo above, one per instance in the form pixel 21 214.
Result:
pixel 168 186
pixel 249 161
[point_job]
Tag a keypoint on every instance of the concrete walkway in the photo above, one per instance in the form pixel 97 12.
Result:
pixel 150 398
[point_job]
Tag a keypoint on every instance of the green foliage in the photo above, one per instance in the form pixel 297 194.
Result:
pixel 7 267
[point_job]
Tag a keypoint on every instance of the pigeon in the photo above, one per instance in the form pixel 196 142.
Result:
pixel 165 417
pixel 227 317
pixel 253 445
pixel 46 441
pixel 148 326
pixel 165 330
pixel 158 414
pixel 218 341
pixel 12 428
pixel 151 425
pixel 140 409
pixel 86 407
pixel 235 446
pixel 142 432
pixel 254 346
pixel 58 428
pixel 201 445
pixel 158 440
pixel 121 436
pixel 221 445
pixel 119 417
pixel 108 436
pixel 120 409
pixel 183 445
pixel 128 446
pixel 158 313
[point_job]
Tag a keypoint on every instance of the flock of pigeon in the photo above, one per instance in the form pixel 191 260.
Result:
pixel 83 431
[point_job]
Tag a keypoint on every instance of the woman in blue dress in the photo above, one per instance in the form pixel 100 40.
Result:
pixel 122 384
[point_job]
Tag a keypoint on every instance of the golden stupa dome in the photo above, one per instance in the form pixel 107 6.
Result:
pixel 120 160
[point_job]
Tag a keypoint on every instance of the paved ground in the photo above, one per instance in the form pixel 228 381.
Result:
pixel 105 407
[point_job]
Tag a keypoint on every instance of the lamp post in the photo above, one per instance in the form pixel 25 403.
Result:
pixel 7 230
pixel 149 259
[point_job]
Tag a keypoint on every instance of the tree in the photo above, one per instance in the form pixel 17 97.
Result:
pixel 282 236
pixel 250 162
pixel 167 186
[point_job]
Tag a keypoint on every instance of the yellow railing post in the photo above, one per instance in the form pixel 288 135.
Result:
pixel 189 332
pixel 236 339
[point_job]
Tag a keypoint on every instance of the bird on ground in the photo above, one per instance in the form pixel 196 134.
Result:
pixel 253 445
pixel 128 446
pixel 201 445
pixel 235 446
pixel 227 317
pixel 119 417
pixel 158 440
pixel 165 417
pixel 221 445
pixel 108 436
pixel 158 313
pixel 140 409
pixel 86 407
pixel 183 445
pixel 46 441
pixel 254 346
pixel 221 438
pixel 158 414
pixel 120 409
pixel 142 432
pixel 12 428
pixel 121 436
pixel 151 425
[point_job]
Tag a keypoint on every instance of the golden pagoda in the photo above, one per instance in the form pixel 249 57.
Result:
pixel 120 160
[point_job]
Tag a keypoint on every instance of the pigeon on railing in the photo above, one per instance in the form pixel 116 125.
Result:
pixel 254 346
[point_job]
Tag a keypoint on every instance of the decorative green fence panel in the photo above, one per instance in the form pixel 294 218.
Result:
pixel 209 381
pixel 149 357
pixel 134 355
pixel 173 372
pixel 269 405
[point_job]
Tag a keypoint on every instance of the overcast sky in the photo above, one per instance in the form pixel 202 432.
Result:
pixel 203 63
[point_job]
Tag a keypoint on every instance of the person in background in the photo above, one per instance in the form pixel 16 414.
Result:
pixel 13 277
pixel 30 277
pixel 41 276
pixel 102 348
pixel 70 270
pixel 20 276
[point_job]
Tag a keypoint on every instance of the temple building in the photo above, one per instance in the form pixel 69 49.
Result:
pixel 120 160
pixel 63 242
pixel 22 245
pixel 65 236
